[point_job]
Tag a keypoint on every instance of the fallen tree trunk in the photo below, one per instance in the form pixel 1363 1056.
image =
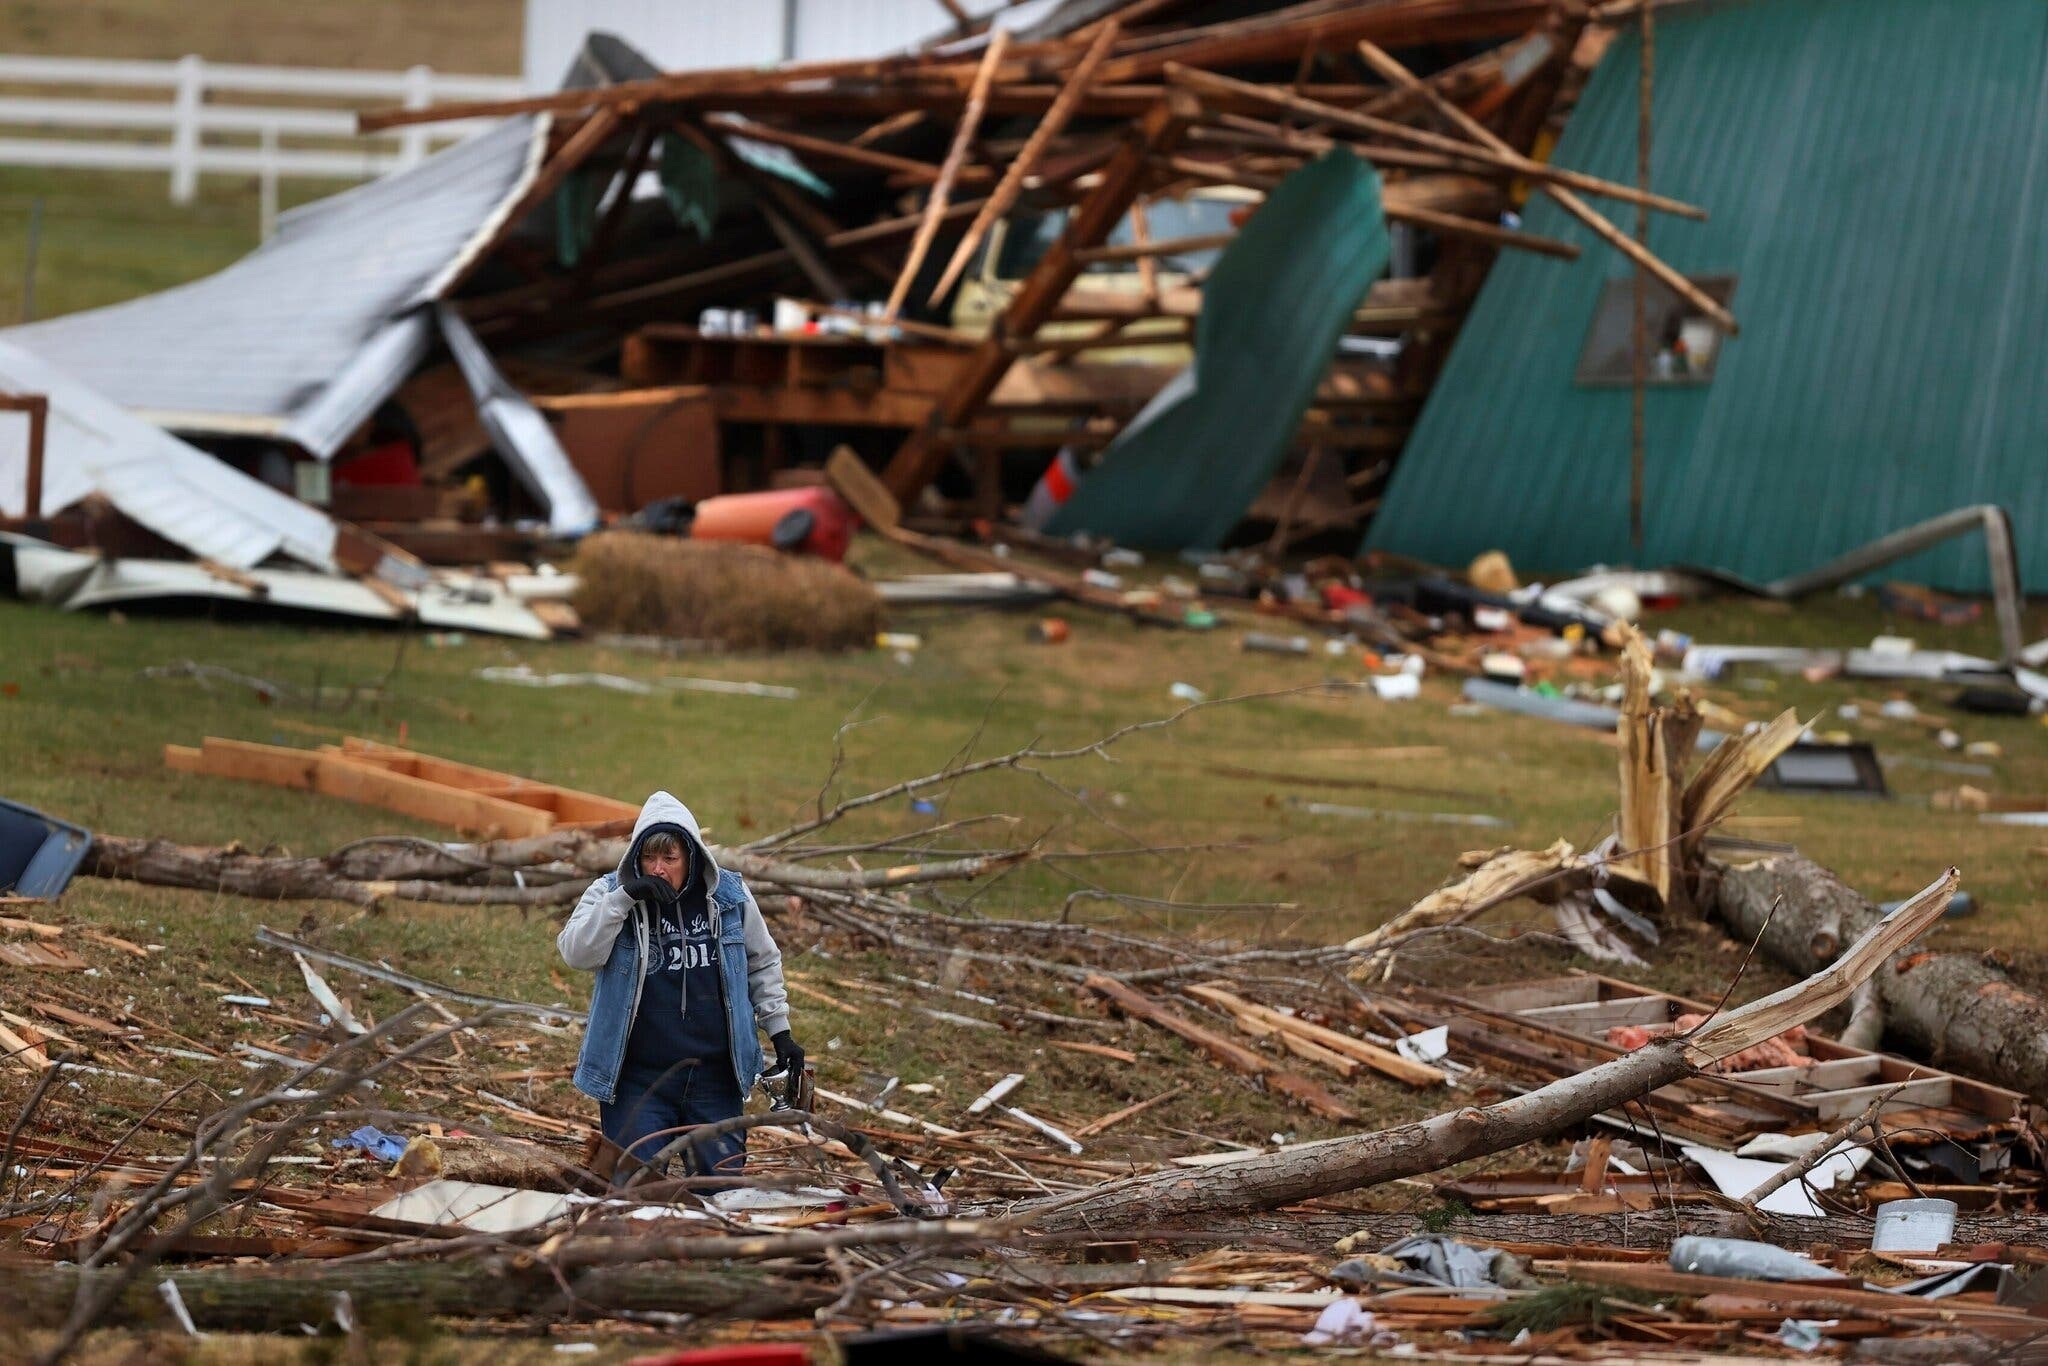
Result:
pixel 1270 1180
pixel 163 864
pixel 545 871
pixel 1956 1010
pixel 266 1300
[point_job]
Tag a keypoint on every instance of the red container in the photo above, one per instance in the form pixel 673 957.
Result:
pixel 744 1354
pixel 814 521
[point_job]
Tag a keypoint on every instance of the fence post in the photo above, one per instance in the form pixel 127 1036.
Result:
pixel 266 181
pixel 185 132
pixel 419 92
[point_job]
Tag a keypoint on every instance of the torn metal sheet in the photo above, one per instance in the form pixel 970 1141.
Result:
pixel 521 435
pixel 91 446
pixel 1736 1176
pixel 1184 471
pixel 74 581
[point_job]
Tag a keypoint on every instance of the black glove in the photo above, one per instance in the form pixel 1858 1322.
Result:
pixel 641 887
pixel 789 1060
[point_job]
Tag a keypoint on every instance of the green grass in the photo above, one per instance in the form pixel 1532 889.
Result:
pixel 110 236
pixel 480 36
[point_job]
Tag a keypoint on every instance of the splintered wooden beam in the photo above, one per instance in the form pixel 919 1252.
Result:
pixel 334 775
pixel 1122 177
pixel 1494 152
pixel 1556 188
pixel 1382 1060
pixel 1012 183
pixel 922 171
pixel 949 170
pixel 1308 1094
pixel 1170 246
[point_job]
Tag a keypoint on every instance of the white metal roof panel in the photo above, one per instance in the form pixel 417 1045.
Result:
pixel 184 495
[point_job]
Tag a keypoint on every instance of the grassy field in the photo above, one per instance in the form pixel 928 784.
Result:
pixel 82 730
pixel 454 35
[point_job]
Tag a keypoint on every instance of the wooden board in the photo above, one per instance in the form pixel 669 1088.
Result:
pixel 353 779
pixel 568 806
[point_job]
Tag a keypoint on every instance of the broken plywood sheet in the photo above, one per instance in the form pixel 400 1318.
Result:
pixel 75 580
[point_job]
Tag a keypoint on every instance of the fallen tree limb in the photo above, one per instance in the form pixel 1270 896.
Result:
pixel 265 1300
pixel 1270 1180
pixel 1957 1010
pixel 163 864
pixel 409 869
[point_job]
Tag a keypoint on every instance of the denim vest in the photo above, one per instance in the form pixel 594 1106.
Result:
pixel 615 999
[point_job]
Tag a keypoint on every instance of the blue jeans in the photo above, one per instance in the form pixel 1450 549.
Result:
pixel 652 1108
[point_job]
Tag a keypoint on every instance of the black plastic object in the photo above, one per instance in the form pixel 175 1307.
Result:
pixel 38 854
pixel 914 1346
pixel 1995 702
pixel 1437 597
pixel 665 517
pixel 1852 770
pixel 792 529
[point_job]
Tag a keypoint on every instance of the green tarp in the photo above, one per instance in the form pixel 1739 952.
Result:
pixel 1183 472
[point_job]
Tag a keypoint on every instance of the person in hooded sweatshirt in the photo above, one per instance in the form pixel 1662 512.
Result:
pixel 686 975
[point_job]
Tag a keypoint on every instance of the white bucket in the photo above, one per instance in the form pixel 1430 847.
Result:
pixel 1913 1225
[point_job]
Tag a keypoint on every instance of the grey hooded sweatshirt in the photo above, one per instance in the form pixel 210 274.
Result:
pixel 592 940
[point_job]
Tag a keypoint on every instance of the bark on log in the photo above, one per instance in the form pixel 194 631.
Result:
pixel 553 870
pixel 1270 1180
pixel 1955 1010
pixel 163 864
pixel 264 1300
pixel 1655 1228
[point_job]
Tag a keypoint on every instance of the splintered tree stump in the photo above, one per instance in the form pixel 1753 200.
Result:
pixel 1952 1009
pixel 261 1300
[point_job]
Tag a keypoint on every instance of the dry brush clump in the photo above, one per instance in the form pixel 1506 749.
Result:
pixel 742 596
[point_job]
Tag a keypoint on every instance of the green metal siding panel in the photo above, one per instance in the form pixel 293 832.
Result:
pixel 1184 471
pixel 1877 175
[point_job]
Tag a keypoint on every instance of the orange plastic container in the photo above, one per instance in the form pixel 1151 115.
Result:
pixel 811 521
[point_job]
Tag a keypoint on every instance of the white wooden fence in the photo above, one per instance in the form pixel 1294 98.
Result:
pixel 172 126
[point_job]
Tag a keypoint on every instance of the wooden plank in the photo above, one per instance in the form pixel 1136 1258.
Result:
pixel 339 776
pixel 346 777
pixel 1027 158
pixel 922 171
pixel 922 453
pixel 865 493
pixel 1383 1060
pixel 942 189
pixel 1489 152
pixel 571 807
pixel 1308 1094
